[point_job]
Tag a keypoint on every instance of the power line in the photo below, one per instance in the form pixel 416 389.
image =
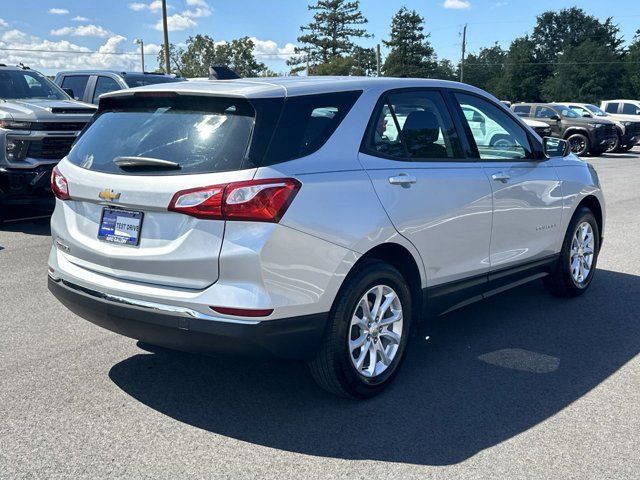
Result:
pixel 95 52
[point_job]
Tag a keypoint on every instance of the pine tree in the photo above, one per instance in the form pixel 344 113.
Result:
pixel 330 33
pixel 411 53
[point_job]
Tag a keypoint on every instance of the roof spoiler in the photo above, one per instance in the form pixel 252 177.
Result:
pixel 221 72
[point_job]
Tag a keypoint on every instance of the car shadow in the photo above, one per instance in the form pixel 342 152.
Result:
pixel 32 225
pixel 492 371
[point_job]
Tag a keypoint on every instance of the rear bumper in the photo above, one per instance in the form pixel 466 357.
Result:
pixel 297 337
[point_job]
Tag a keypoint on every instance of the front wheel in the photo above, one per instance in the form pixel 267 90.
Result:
pixel 613 145
pixel 367 333
pixel 579 144
pixel 576 266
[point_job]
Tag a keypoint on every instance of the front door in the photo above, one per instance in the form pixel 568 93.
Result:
pixel 434 196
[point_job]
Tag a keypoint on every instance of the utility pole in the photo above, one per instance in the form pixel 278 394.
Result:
pixel 140 42
pixel 464 46
pixel 308 71
pixel 167 66
pixel 378 60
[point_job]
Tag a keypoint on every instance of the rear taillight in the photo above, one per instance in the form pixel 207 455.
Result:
pixel 253 200
pixel 59 185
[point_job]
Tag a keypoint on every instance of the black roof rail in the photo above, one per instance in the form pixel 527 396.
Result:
pixel 23 66
pixel 222 72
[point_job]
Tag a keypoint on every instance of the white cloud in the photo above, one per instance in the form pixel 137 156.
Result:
pixel 457 4
pixel 13 36
pixel 151 48
pixel 3 23
pixel 268 49
pixel 154 6
pixel 80 19
pixel 81 31
pixel 58 11
pixel 186 18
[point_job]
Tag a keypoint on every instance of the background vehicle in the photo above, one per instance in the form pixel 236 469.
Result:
pixel 586 136
pixel 88 85
pixel 624 107
pixel 38 124
pixel 321 227
pixel 627 126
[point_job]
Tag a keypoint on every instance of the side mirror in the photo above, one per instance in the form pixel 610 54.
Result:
pixel 555 117
pixel 555 147
pixel 69 91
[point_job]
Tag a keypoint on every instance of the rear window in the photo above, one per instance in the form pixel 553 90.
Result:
pixel 138 80
pixel 306 123
pixel 200 134
pixel 612 108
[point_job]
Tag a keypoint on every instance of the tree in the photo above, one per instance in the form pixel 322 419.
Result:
pixel 587 72
pixel 445 70
pixel 411 53
pixel 330 34
pixel 202 52
pixel 522 76
pixel 632 64
pixel 484 70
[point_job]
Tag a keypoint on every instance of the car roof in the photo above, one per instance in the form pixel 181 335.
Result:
pixel 621 100
pixel 115 72
pixel 294 86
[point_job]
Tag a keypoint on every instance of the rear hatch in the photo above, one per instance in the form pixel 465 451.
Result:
pixel 126 168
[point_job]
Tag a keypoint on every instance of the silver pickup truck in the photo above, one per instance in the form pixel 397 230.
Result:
pixel 38 124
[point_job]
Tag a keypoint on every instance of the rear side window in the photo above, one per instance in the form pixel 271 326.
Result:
pixel 522 110
pixel 200 134
pixel 306 123
pixel 77 83
pixel 611 108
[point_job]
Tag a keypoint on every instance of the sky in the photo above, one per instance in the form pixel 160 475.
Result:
pixel 78 34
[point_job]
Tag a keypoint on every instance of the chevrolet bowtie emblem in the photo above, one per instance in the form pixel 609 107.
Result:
pixel 109 195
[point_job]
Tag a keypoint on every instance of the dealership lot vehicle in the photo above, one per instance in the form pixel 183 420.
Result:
pixel 38 124
pixel 627 126
pixel 88 85
pixel 312 227
pixel 591 136
pixel 623 107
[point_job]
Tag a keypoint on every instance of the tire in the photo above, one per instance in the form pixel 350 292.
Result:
pixel 625 148
pixel 614 146
pixel 562 281
pixel 580 144
pixel 334 367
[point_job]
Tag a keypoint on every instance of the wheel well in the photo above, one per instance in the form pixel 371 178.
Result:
pixel 571 131
pixel 593 204
pixel 398 256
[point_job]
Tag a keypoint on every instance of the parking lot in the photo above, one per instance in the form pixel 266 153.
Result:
pixel 523 385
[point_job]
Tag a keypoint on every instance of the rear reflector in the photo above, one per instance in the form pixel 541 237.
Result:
pixel 243 312
pixel 254 200
pixel 59 185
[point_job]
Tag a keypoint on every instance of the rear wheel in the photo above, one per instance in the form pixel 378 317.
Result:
pixel 367 333
pixel 613 145
pixel 579 144
pixel 577 263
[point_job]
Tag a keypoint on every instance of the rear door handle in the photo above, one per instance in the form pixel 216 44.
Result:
pixel 402 179
pixel 501 177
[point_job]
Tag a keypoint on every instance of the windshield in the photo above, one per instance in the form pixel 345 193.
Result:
pixel 140 80
pixel 566 111
pixel 24 84
pixel 596 111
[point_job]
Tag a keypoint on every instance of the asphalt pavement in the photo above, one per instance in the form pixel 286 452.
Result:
pixel 523 385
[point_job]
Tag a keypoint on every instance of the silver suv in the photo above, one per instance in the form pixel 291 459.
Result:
pixel 38 124
pixel 313 218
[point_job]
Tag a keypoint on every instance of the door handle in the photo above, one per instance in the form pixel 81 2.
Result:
pixel 402 179
pixel 501 177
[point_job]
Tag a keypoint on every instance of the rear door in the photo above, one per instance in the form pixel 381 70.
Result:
pixel 117 222
pixel 434 196
pixel 527 199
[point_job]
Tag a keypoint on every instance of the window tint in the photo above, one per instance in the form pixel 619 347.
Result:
pixel 545 112
pixel 496 135
pixel 306 123
pixel 522 110
pixel 630 109
pixel 201 135
pixel 104 85
pixel 77 83
pixel 612 108
pixel 414 125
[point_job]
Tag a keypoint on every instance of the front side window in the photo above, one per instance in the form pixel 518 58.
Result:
pixel 630 109
pixel 612 108
pixel 25 84
pixel 76 83
pixel 104 85
pixel 497 136
pixel 413 125
pixel 545 112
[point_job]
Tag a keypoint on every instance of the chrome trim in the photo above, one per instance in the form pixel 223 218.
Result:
pixel 153 306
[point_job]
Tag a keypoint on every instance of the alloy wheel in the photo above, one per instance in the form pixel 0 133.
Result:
pixel 582 251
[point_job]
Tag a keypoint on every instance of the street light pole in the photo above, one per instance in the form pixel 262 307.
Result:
pixel 140 42
pixel 167 66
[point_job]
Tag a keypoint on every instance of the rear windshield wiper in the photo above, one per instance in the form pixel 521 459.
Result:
pixel 137 162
